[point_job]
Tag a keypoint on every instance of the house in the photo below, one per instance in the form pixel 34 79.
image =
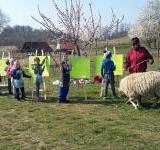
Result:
pixel 31 48
pixel 65 47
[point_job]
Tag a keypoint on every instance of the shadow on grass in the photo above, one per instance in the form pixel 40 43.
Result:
pixel 90 100
pixel 149 105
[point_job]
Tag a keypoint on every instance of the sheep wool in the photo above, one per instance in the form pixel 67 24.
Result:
pixel 141 84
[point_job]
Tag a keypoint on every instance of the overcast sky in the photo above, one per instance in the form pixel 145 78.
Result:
pixel 20 11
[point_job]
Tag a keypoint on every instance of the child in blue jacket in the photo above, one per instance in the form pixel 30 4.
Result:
pixel 18 74
pixel 38 69
pixel 65 79
pixel 107 72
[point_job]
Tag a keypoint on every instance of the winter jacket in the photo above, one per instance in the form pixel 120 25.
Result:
pixel 136 60
pixel 18 75
pixel 107 67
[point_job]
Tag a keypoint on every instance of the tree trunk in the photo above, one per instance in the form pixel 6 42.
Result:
pixel 158 46
pixel 96 47
pixel 155 43
pixel 149 43
pixel 60 56
pixel 107 43
pixel 78 50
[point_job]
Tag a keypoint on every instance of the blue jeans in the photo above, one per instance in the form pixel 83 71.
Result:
pixel 63 92
pixel 38 83
pixel 109 79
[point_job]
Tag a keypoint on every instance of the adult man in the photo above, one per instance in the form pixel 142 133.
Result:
pixel 137 58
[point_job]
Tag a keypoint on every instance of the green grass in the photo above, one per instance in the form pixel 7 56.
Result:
pixel 91 124
pixel 83 124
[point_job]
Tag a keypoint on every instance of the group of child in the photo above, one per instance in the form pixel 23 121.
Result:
pixel 107 72
pixel 15 75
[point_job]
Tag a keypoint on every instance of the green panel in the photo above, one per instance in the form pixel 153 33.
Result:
pixel 118 60
pixel 3 67
pixel 80 68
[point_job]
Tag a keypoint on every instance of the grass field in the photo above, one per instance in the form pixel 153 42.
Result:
pixel 83 124
pixel 91 124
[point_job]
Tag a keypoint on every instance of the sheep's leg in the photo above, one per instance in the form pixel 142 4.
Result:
pixel 134 105
pixel 139 102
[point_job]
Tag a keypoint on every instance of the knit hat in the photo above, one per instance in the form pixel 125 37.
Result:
pixel 108 54
pixel 105 50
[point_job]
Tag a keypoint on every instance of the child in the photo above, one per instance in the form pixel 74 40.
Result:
pixel 65 79
pixel 107 73
pixel 18 75
pixel 12 80
pixel 9 63
pixel 38 71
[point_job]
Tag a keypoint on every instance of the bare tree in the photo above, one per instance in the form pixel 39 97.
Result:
pixel 115 22
pixel 3 20
pixel 73 26
pixel 147 23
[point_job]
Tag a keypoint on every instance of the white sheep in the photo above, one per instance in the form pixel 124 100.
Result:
pixel 141 84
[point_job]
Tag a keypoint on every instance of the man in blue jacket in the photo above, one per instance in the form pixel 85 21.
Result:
pixel 107 72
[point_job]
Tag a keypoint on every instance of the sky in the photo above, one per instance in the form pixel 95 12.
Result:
pixel 20 11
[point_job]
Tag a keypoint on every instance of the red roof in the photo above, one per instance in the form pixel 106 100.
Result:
pixel 67 46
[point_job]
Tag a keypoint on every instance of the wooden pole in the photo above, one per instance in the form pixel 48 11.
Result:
pixel 42 52
pixel 114 50
pixel 36 52
pixel 2 55
pixel 44 89
pixel 85 90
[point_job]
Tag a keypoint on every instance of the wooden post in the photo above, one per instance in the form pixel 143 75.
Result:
pixel 42 52
pixel 44 89
pixel 114 50
pixel 2 55
pixel 9 55
pixel 102 91
pixel 85 91
pixel 36 52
